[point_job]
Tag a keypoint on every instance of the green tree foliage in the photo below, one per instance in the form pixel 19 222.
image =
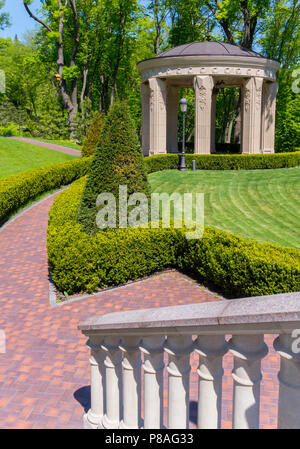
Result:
pixel 4 17
pixel 280 33
pixel 280 40
pixel 287 135
pixel 9 114
pixel 31 100
pixel 189 24
pixel 94 47
pixel 93 135
pixel 117 161
pixel 90 43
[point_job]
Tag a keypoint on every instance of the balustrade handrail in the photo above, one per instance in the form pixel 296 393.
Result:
pixel 131 345
pixel 262 314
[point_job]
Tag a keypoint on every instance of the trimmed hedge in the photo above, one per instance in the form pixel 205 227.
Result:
pixel 80 262
pixel 224 161
pixel 17 190
pixel 240 267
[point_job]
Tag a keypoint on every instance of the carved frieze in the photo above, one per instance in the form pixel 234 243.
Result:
pixel 209 70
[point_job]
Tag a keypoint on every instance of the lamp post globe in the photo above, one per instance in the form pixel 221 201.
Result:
pixel 183 106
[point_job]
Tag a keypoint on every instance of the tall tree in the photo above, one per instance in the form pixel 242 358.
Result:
pixel 159 11
pixel 58 14
pixel 91 38
pixel 280 33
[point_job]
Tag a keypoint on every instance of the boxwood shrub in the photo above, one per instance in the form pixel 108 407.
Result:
pixel 84 263
pixel 17 190
pixel 224 161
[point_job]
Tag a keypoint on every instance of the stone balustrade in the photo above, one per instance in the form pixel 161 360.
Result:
pixel 127 362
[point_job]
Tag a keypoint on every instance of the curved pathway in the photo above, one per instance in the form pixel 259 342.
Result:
pixel 44 373
pixel 50 146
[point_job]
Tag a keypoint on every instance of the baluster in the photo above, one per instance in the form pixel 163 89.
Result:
pixel 131 383
pixel 93 418
pixel 211 349
pixel 113 375
pixel 289 382
pixel 178 349
pixel 248 350
pixel 153 366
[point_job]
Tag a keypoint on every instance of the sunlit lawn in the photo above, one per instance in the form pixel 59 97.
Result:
pixel 16 157
pixel 259 204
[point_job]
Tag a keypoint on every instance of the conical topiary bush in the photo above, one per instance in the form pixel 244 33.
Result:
pixel 93 135
pixel 117 161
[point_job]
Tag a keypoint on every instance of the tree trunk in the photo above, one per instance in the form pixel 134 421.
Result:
pixel 70 103
pixel 84 84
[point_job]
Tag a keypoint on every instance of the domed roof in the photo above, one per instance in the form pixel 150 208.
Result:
pixel 208 48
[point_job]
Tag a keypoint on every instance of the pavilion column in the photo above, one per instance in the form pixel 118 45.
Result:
pixel 172 119
pixel 268 117
pixel 213 121
pixel 145 93
pixel 203 86
pixel 158 117
pixel 252 107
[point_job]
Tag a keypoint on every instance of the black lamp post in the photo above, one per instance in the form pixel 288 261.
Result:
pixel 183 106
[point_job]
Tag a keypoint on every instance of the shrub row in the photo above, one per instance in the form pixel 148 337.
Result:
pixel 80 262
pixel 17 190
pixel 224 161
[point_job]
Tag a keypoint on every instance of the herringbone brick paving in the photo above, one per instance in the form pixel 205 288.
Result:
pixel 44 374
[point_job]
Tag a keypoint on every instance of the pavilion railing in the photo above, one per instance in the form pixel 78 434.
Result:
pixel 128 347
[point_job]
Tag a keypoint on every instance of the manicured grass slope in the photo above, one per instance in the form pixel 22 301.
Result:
pixel 259 204
pixel 16 157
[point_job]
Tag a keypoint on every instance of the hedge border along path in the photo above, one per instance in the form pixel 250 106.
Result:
pixel 17 190
pixel 79 262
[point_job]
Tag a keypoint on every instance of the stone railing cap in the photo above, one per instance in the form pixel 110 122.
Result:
pixel 263 309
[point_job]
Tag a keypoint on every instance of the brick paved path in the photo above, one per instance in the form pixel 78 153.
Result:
pixel 50 146
pixel 44 374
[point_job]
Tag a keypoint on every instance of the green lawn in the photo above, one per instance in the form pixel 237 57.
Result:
pixel 259 204
pixel 16 157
